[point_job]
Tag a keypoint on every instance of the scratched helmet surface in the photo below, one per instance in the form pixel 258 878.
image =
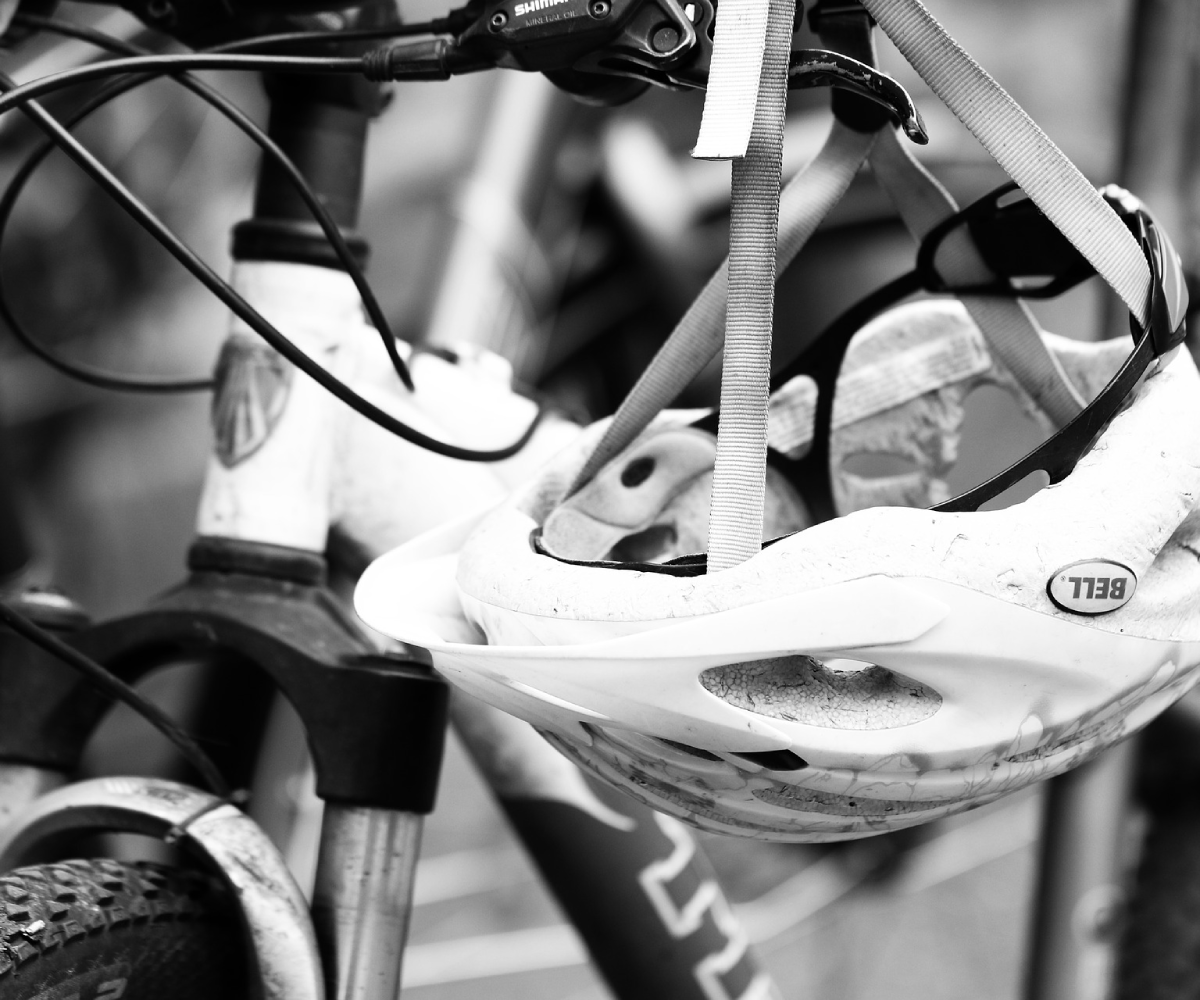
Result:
pixel 872 672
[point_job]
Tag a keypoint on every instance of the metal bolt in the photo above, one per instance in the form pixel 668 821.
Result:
pixel 599 8
pixel 498 21
pixel 664 39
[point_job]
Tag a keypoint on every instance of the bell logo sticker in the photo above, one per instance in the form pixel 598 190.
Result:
pixel 1092 586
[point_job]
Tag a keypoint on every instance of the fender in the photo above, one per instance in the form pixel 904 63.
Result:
pixel 273 910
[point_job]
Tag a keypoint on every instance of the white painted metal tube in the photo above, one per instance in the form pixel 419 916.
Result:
pixel 270 477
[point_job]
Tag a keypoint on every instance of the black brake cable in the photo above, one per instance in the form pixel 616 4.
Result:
pixel 456 20
pixel 118 689
pixel 259 137
pixel 178 62
pixel 170 65
pixel 453 21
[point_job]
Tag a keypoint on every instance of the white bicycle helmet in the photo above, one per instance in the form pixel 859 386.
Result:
pixel 887 666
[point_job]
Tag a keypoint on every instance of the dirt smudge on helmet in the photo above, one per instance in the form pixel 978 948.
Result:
pixel 803 689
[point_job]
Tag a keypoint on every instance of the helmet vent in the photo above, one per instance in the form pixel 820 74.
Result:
pixel 803 689
pixel 689 750
pixel 650 545
pixel 878 465
pixel 775 760
pixel 637 471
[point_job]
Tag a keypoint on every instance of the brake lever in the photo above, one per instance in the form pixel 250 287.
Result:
pixel 813 68
pixel 822 68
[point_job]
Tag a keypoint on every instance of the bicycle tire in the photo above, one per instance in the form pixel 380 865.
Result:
pixel 108 930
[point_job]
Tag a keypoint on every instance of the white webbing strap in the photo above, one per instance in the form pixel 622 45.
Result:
pixel 1020 147
pixel 698 337
pixel 739 477
pixel 730 100
pixel 1012 332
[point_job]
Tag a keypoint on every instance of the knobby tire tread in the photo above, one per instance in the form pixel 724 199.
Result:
pixel 110 930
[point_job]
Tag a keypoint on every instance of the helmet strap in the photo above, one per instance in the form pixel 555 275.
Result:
pixel 739 477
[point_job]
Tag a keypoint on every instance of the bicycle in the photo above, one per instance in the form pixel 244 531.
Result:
pixel 233 561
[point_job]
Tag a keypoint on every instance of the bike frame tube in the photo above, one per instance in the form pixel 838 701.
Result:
pixel 1081 876
pixel 270 478
pixel 634 883
pixel 492 250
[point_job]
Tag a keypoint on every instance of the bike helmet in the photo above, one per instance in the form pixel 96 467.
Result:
pixel 890 664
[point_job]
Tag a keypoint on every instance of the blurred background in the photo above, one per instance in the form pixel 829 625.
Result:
pixel 587 232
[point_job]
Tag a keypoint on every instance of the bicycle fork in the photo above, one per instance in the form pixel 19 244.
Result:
pixel 375 723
